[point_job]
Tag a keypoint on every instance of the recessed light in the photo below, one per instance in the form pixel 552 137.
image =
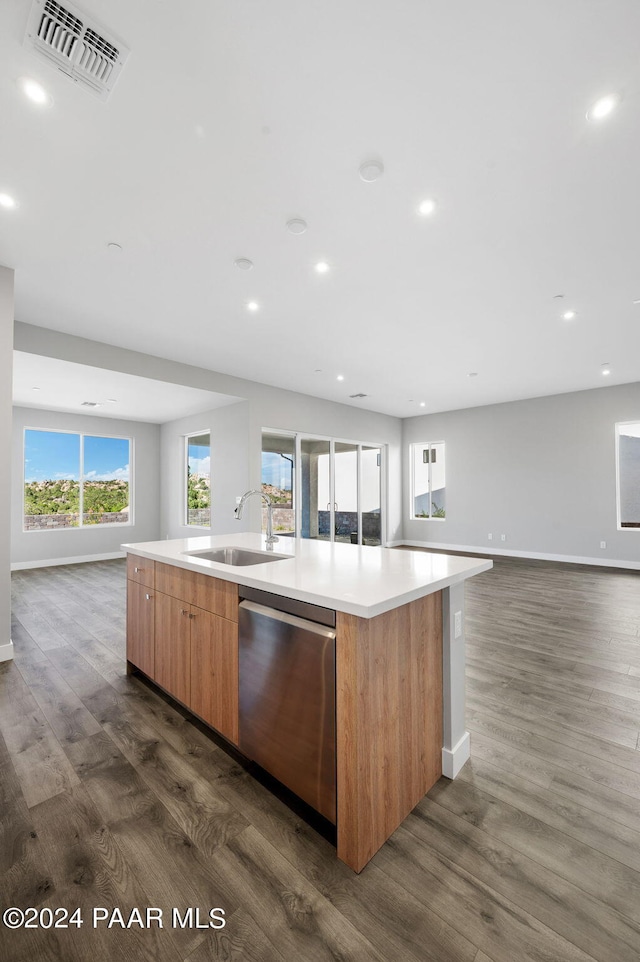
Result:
pixel 296 225
pixel 568 315
pixel 114 248
pixel 321 267
pixel 427 207
pixel 423 404
pixel 35 388
pixel 472 374
pixel 606 370
pixel 253 306
pixel 243 263
pixel 35 92
pixel 637 300
pixel 318 370
pixel 603 107
pixel 340 377
pixel 371 170
pixel 8 202
pixel 112 400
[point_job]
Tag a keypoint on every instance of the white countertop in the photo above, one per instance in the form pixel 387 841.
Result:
pixel 359 580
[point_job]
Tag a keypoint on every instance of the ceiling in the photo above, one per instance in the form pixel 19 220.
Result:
pixel 55 385
pixel 232 117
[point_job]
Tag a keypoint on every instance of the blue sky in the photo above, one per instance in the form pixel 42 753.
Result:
pixel 199 457
pixel 53 455
pixel 276 470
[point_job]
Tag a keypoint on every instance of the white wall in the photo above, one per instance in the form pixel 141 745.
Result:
pixel 28 547
pixel 6 374
pixel 267 407
pixel 229 427
pixel 540 471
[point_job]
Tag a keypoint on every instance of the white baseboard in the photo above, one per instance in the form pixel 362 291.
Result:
pixel 6 651
pixel 79 559
pixel 453 759
pixel 533 555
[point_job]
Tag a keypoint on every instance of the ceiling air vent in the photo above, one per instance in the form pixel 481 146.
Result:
pixel 76 45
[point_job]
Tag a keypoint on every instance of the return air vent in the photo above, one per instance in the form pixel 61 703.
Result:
pixel 77 45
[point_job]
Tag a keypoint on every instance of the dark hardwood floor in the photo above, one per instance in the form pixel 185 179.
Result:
pixel 110 797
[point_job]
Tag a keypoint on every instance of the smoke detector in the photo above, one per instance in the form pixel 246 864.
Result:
pixel 76 44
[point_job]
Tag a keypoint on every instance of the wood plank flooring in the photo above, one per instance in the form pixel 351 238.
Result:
pixel 111 797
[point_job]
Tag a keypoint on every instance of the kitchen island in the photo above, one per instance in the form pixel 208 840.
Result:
pixel 399 657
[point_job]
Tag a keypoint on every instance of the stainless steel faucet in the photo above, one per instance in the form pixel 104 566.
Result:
pixel 271 538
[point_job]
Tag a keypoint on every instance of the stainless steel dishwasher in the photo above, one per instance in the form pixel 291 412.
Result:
pixel 287 694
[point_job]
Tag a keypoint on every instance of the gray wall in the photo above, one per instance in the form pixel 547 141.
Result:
pixel 540 471
pixel 6 375
pixel 266 407
pixel 43 546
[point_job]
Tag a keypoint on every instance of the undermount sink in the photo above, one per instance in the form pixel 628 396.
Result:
pixel 237 556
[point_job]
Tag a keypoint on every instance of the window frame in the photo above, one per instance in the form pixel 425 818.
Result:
pixel 185 482
pixel 412 482
pixel 619 525
pixel 81 479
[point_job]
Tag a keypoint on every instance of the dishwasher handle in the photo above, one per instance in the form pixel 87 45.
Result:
pixel 251 607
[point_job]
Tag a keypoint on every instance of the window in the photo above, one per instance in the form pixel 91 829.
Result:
pixel 428 493
pixel 75 480
pixel 198 480
pixel 628 470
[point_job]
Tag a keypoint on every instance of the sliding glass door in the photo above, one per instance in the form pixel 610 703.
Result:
pixel 333 488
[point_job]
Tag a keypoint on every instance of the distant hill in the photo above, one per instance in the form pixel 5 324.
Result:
pixel 277 495
pixel 63 496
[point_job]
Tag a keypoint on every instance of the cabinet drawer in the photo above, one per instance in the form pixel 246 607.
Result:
pixel 140 570
pixel 203 591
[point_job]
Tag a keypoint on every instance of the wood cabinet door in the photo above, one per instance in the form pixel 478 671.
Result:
pixel 173 648
pixel 214 671
pixel 140 627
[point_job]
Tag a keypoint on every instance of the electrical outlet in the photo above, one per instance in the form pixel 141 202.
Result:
pixel 503 537
pixel 489 537
pixel 457 624
pixel 603 544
